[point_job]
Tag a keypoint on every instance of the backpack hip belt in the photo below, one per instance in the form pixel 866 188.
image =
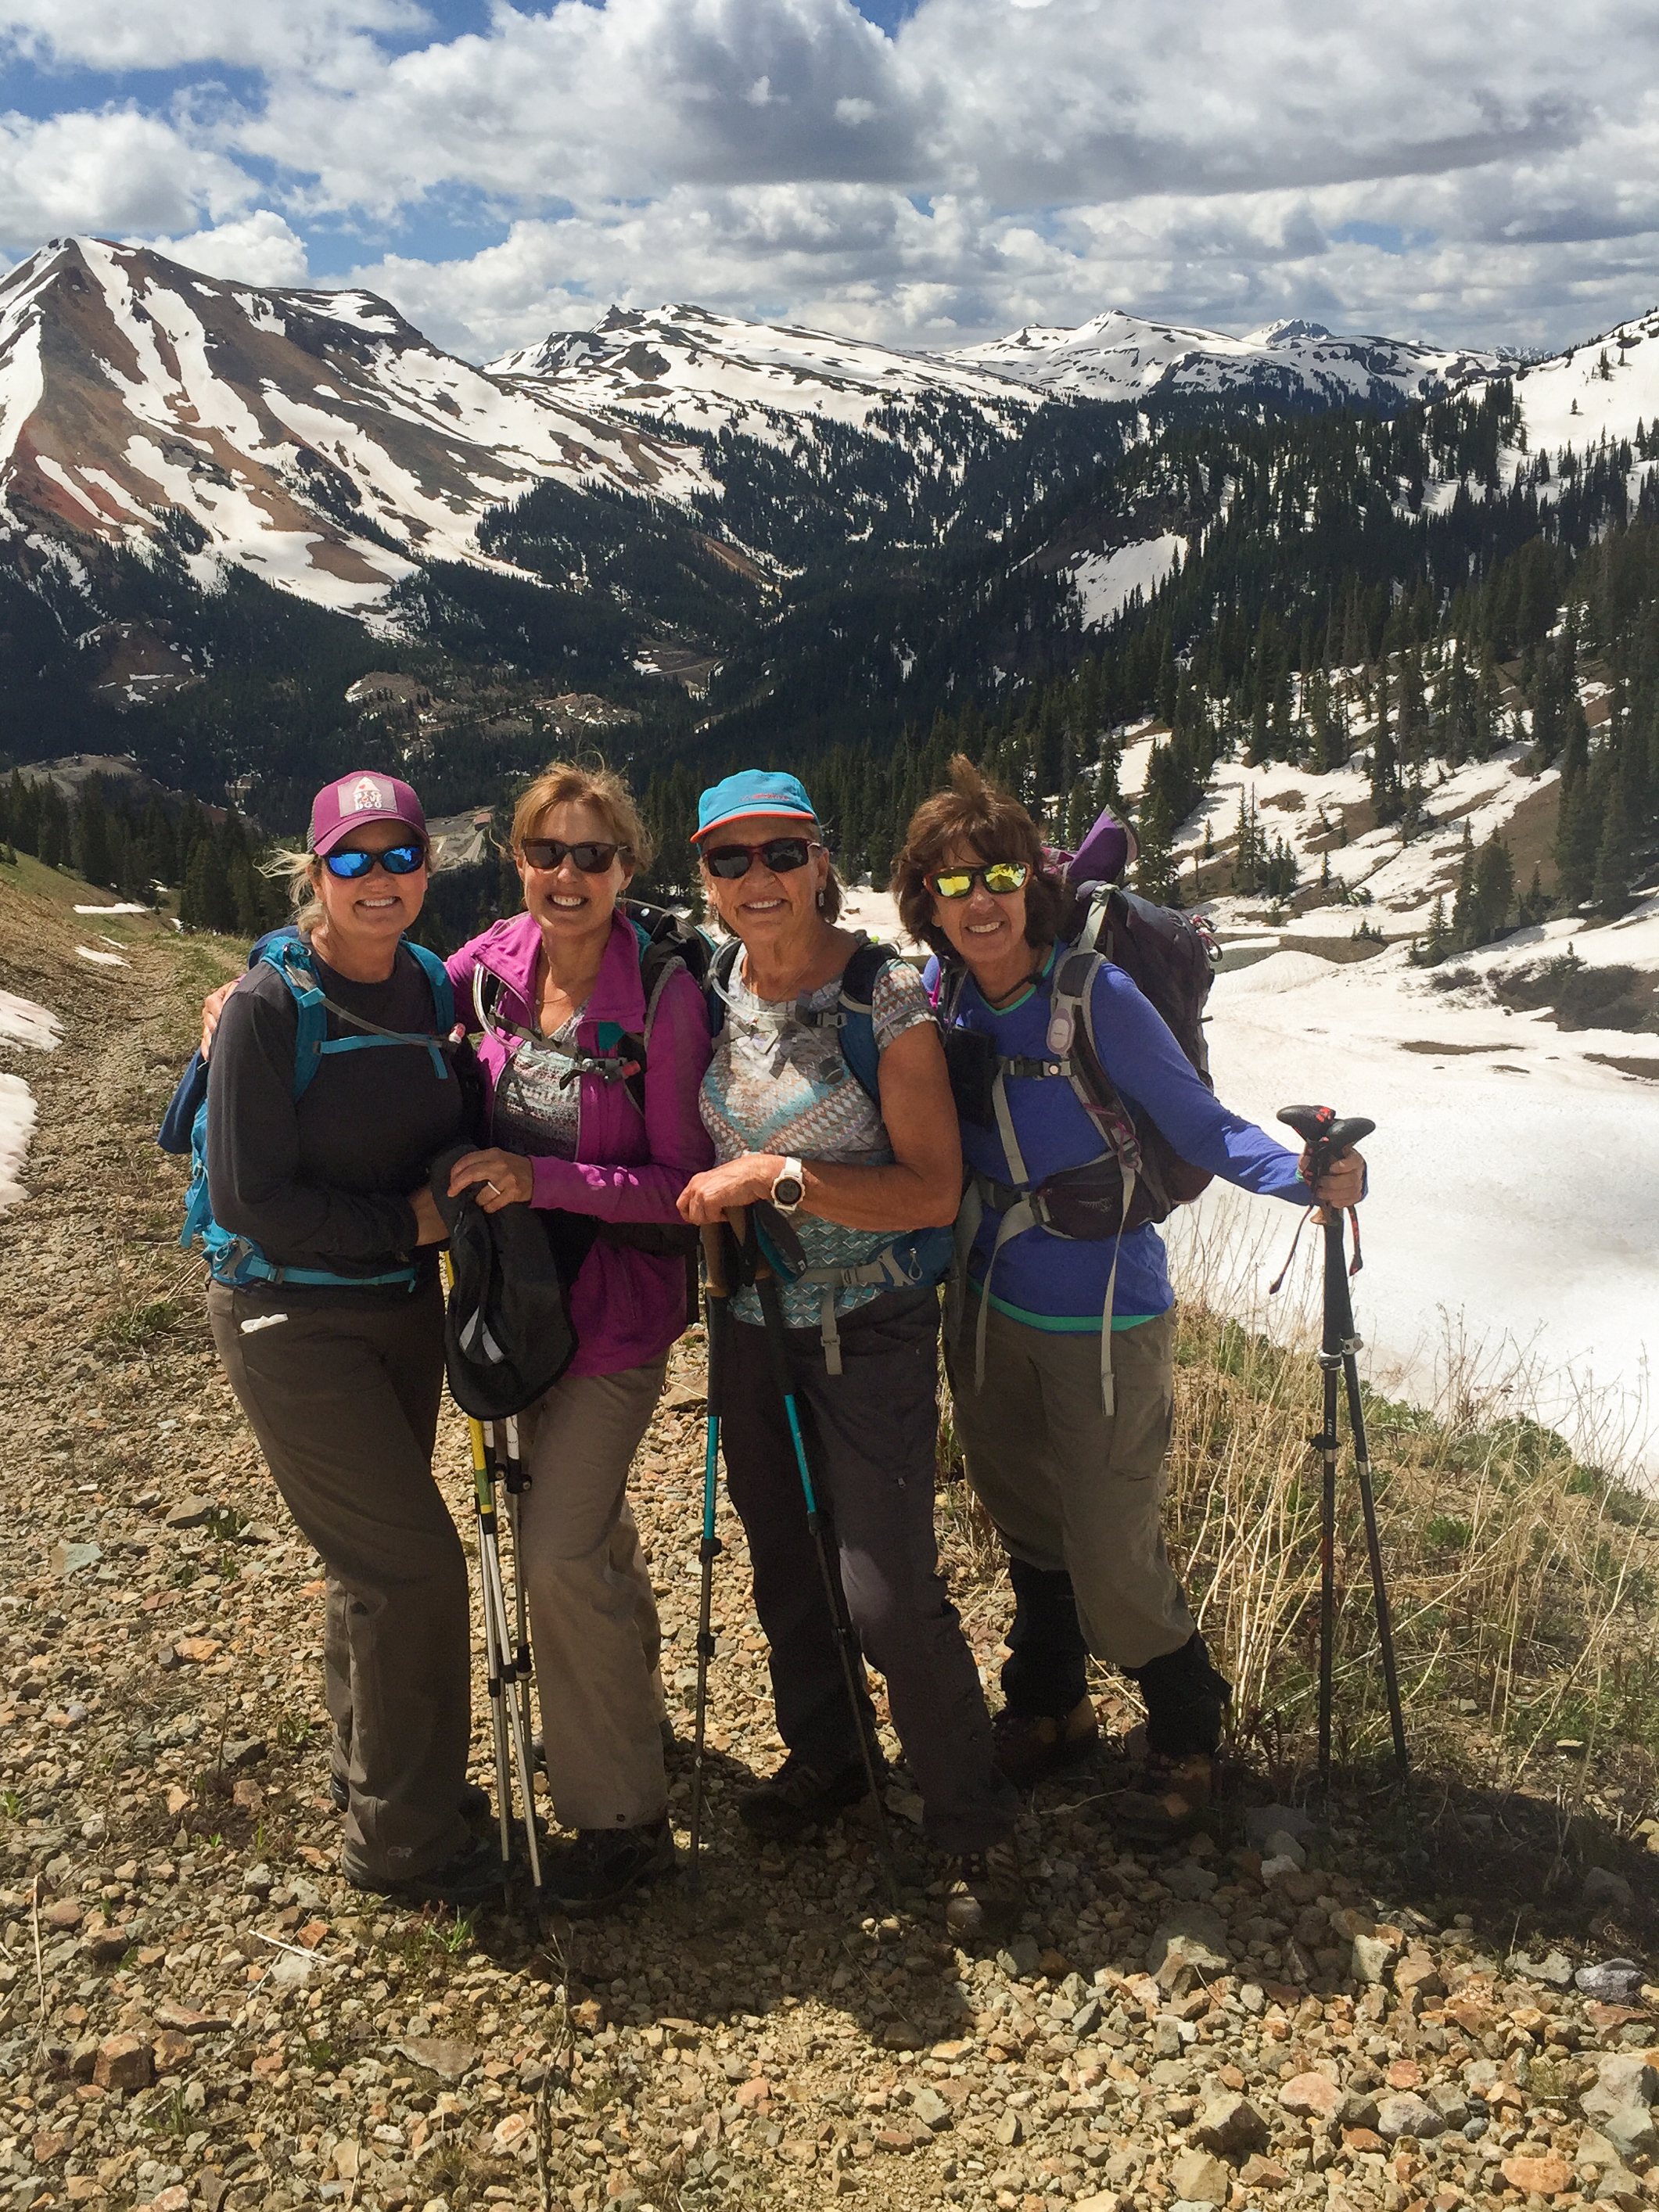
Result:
pixel 910 1261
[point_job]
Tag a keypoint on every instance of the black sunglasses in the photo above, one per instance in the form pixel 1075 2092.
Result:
pixel 783 855
pixel 351 866
pixel 592 856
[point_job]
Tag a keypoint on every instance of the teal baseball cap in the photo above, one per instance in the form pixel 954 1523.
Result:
pixel 752 791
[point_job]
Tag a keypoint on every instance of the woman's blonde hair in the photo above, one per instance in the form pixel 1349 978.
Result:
pixel 566 783
pixel 300 872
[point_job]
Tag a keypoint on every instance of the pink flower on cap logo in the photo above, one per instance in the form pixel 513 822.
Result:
pixel 365 797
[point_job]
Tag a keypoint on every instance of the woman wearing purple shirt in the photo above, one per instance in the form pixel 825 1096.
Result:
pixel 561 989
pixel 1072 1472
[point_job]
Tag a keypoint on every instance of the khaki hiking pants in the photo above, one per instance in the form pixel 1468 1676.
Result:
pixel 1069 1485
pixel 343 1395
pixel 593 1627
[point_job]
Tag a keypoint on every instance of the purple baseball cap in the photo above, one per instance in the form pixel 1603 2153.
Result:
pixel 364 796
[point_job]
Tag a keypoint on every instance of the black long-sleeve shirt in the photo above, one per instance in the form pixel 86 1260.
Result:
pixel 322 1182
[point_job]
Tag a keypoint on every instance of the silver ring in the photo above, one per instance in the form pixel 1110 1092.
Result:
pixel 491 1186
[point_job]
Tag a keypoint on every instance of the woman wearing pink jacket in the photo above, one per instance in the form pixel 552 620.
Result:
pixel 564 1002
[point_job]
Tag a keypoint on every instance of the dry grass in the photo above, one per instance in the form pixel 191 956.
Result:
pixel 1523 1583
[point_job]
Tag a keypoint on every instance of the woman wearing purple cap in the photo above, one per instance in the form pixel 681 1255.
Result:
pixel 831 1115
pixel 591 1057
pixel 1061 1370
pixel 326 1310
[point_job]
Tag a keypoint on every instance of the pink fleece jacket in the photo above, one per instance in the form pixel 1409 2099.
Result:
pixel 628 1307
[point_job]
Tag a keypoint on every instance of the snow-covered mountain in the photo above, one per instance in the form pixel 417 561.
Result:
pixel 1127 357
pixel 315 437
pixel 1609 385
pixel 682 364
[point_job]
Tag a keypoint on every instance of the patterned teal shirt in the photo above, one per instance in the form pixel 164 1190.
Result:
pixel 776 1085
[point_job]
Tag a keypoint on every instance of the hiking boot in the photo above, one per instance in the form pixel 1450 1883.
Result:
pixel 798 1797
pixel 474 1805
pixel 1186 1698
pixel 603 1864
pixel 1172 1799
pixel 469 1880
pixel 1029 1746
pixel 982 1903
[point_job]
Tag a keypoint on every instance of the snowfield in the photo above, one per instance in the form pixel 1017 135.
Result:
pixel 22 1022
pixel 1510 1205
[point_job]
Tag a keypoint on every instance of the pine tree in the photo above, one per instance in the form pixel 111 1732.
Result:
pixel 1614 858
pixel 1386 797
pixel 207 901
pixel 1439 942
pixel 1494 891
pixel 1463 902
pixel 1577 835
pixel 92 838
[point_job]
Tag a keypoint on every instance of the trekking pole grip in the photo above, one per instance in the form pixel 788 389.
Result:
pixel 1326 1136
pixel 713 1259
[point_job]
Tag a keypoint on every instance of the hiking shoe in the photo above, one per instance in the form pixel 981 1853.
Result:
pixel 798 1797
pixel 983 1901
pixel 1029 1746
pixel 603 1864
pixel 469 1880
pixel 474 1805
pixel 1171 1801
pixel 1187 1700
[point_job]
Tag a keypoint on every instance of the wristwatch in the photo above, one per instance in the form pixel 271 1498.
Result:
pixel 789 1187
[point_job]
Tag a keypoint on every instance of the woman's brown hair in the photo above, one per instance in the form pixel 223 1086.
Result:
pixel 978 813
pixel 563 783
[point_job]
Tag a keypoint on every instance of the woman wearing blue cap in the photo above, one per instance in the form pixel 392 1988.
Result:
pixel 833 1124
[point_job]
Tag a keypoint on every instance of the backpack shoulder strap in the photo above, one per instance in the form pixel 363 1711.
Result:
pixel 443 991
pixel 1072 1032
pixel 291 958
pixel 857 1010
pixel 719 982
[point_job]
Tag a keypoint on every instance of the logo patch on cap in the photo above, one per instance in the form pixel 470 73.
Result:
pixel 365 797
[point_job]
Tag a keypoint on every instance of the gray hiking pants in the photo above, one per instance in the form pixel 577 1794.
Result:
pixel 871 1433
pixel 1071 1486
pixel 343 1399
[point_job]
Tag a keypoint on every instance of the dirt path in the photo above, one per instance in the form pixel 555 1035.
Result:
pixel 195 2009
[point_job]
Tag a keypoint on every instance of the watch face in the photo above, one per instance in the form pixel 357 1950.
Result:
pixel 786 1191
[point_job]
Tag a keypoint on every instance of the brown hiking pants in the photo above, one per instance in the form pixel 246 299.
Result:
pixel 595 1631
pixel 342 1395
pixel 1069 1485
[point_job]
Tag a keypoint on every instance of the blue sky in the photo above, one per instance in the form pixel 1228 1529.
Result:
pixel 925 172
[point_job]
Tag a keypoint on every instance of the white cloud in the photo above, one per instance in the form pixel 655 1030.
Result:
pixel 258 247
pixel 115 170
pixel 991 163
pixel 164 34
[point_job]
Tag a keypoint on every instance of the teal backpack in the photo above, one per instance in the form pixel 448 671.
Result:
pixel 237 1261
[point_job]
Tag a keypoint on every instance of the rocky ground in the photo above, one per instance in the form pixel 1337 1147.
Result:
pixel 196 2009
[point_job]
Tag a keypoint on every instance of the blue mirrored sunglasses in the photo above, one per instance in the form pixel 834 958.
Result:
pixel 397 860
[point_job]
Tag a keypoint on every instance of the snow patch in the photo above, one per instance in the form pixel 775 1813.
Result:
pixel 1105 581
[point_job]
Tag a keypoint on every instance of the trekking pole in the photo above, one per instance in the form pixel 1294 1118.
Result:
pixel 483 1502
pixel 1327 1138
pixel 506 1719
pixel 716 1292
pixel 847 1642
pixel 516 1482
